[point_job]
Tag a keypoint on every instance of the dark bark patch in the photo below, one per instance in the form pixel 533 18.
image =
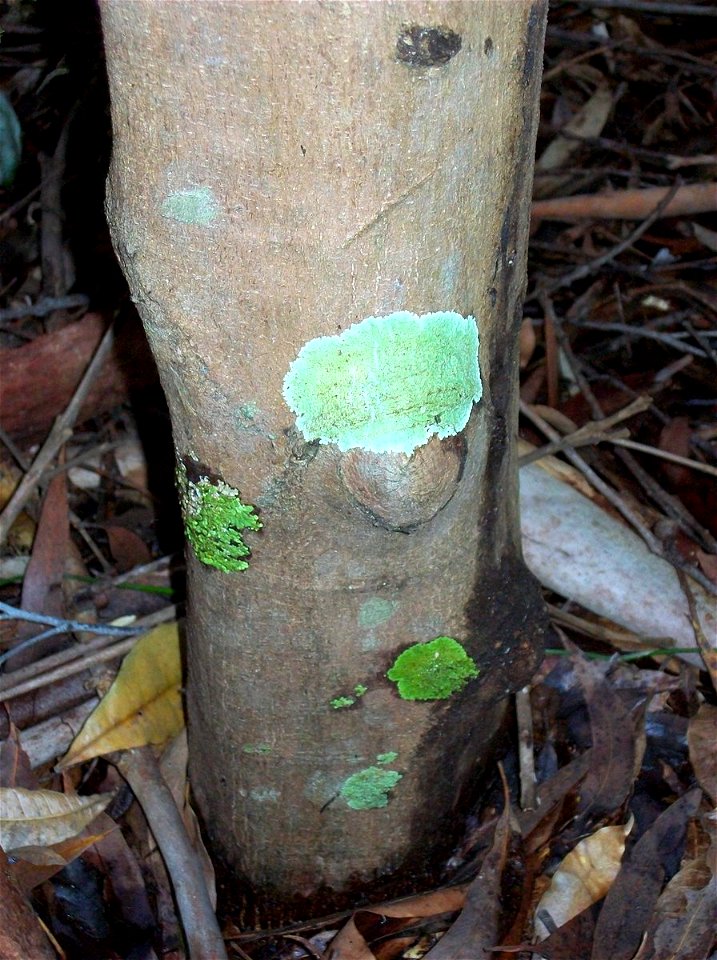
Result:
pixel 421 46
pixel 533 43
pixel 488 46
pixel 197 471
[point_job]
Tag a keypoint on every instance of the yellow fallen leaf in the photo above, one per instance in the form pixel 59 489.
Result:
pixel 584 876
pixel 38 818
pixel 142 706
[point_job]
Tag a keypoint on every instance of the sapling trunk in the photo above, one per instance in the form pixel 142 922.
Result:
pixel 322 211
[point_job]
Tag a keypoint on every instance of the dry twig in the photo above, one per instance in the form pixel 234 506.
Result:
pixel 60 432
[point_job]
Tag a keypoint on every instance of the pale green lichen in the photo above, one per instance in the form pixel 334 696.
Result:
pixel 433 670
pixel 387 384
pixel 196 205
pixel 385 758
pixel 214 517
pixel 257 749
pixel 360 689
pixel 369 788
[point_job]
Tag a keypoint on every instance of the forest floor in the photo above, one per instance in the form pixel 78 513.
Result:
pixel 595 835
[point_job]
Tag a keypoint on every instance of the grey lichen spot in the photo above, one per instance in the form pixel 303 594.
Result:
pixel 264 794
pixel 376 610
pixel 321 788
pixel 195 205
pixel 421 46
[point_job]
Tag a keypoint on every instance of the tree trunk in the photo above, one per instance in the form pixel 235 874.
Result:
pixel 281 172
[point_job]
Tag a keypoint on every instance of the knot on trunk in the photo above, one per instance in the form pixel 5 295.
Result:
pixel 401 491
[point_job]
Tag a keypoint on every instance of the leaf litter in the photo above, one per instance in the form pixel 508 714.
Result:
pixel 620 306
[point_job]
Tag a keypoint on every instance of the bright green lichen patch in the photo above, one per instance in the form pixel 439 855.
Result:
pixel 369 788
pixel 214 517
pixel 387 384
pixel 386 758
pixel 432 671
pixel 196 205
pixel 341 703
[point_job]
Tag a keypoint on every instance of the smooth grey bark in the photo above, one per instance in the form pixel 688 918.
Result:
pixel 339 161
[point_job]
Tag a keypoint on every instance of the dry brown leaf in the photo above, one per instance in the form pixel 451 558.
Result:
pixel 683 925
pixel 631 900
pixel 142 706
pixel 350 943
pixel 701 739
pixel 31 873
pixel 39 818
pixel 617 747
pixel 527 342
pixel 584 876
pixel 43 581
pixel 15 769
pixel 587 122
pixel 475 931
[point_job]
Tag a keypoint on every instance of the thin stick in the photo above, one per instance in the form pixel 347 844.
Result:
pixel 13 449
pixel 593 432
pixel 663 455
pixel 47 305
pixel 57 625
pixel 709 653
pixel 526 757
pixel 114 652
pixel 669 339
pixel 78 651
pixel 671 505
pixel 140 769
pixel 60 432
pixel 594 265
pixel 80 664
pixel 657 7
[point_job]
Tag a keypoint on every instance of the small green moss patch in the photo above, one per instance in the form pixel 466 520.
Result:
pixel 369 788
pixel 386 758
pixel 214 517
pixel 433 670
